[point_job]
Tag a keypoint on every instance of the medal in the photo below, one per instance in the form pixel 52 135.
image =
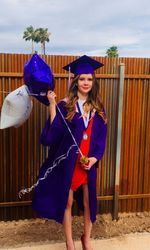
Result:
pixel 85 136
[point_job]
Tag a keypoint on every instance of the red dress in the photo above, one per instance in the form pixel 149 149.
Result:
pixel 80 175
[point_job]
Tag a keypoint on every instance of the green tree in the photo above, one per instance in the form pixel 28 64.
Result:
pixel 112 52
pixel 30 34
pixel 43 37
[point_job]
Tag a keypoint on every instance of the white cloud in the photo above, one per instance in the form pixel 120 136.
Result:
pixel 87 26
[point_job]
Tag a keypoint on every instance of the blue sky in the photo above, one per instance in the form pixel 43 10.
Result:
pixel 78 26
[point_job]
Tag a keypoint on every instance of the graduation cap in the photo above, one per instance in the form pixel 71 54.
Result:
pixel 83 65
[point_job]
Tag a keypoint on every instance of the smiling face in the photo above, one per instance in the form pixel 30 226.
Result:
pixel 85 83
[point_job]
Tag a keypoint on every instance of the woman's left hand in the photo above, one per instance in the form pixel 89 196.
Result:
pixel 92 161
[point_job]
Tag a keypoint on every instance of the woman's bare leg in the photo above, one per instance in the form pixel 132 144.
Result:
pixel 87 220
pixel 67 222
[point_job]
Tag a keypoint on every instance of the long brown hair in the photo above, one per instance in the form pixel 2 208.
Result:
pixel 93 101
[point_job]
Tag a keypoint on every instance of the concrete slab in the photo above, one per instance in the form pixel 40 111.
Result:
pixel 127 242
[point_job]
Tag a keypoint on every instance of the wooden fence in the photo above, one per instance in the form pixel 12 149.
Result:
pixel 21 154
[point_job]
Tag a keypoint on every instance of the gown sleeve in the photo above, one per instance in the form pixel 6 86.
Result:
pixel 52 132
pixel 100 142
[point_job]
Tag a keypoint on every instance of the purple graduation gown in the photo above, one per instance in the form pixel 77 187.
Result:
pixel 51 195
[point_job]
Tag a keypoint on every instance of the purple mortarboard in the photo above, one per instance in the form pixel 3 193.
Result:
pixel 83 65
pixel 39 78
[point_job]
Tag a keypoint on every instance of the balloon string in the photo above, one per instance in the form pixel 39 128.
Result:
pixel 44 94
pixel 56 162
pixel 48 171
pixel 58 159
pixel 69 131
pixel 30 94
pixel 7 92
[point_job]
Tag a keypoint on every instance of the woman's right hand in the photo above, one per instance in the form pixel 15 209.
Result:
pixel 52 107
pixel 51 97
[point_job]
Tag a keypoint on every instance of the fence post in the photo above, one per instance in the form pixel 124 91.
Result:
pixel 118 146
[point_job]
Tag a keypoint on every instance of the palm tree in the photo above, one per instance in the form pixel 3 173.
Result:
pixel 43 36
pixel 30 34
pixel 112 52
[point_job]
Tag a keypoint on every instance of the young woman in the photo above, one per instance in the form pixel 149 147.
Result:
pixel 83 133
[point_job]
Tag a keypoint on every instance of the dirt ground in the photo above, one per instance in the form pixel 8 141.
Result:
pixel 23 232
